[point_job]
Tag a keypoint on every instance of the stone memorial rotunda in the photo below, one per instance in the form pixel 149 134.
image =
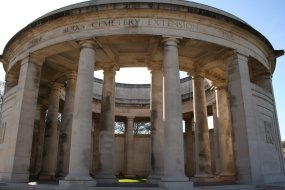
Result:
pixel 58 121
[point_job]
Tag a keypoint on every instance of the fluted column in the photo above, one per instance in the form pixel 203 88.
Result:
pixel 190 167
pixel 107 123
pixel 80 149
pixel 202 140
pixel 157 129
pixel 129 148
pixel 65 130
pixel 174 174
pixel 51 134
pixel 227 168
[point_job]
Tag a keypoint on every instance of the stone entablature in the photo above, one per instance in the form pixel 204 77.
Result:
pixel 53 30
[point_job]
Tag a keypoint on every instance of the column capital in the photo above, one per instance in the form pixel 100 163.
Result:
pixel 236 54
pixel 219 84
pixel 110 68
pixel 39 107
pixel 170 40
pixel 155 66
pixel 56 86
pixel 87 44
pixel 197 74
pixel 36 59
pixel 72 75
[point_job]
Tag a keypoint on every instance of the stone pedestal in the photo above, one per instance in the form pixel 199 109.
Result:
pixel 202 141
pixel 174 175
pixel 51 134
pixel 107 122
pixel 80 149
pixel 157 128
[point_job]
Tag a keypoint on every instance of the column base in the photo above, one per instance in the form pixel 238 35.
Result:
pixel 214 180
pixel 228 178
pixel 176 183
pixel 77 183
pixel 106 179
pixel 153 179
pixel 204 178
pixel 47 176
pixel 129 175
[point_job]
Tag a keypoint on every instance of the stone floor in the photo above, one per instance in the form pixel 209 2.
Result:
pixel 53 185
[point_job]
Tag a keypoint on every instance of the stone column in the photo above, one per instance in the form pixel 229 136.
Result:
pixel 40 141
pixel 107 123
pixel 35 142
pixel 65 130
pixel 129 148
pixel 51 134
pixel 247 161
pixel 96 155
pixel 174 174
pixel 224 132
pixel 156 119
pixel 216 139
pixel 24 112
pixel 190 167
pixel 80 148
pixel 202 140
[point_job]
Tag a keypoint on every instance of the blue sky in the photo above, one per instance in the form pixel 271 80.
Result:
pixel 268 17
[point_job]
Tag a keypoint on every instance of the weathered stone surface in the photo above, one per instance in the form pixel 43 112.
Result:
pixel 141 33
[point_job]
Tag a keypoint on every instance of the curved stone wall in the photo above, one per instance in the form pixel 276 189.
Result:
pixel 132 94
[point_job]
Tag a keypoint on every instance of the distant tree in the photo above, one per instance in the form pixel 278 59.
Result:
pixel 119 127
pixel 142 128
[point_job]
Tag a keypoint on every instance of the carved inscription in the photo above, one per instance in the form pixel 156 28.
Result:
pixel 166 23
pixel 132 23
pixel 2 132
pixel 74 28
pixel 35 41
pixel 268 132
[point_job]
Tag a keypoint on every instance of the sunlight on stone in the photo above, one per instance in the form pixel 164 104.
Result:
pixel 33 183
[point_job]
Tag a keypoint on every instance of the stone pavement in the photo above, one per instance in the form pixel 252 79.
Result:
pixel 53 185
